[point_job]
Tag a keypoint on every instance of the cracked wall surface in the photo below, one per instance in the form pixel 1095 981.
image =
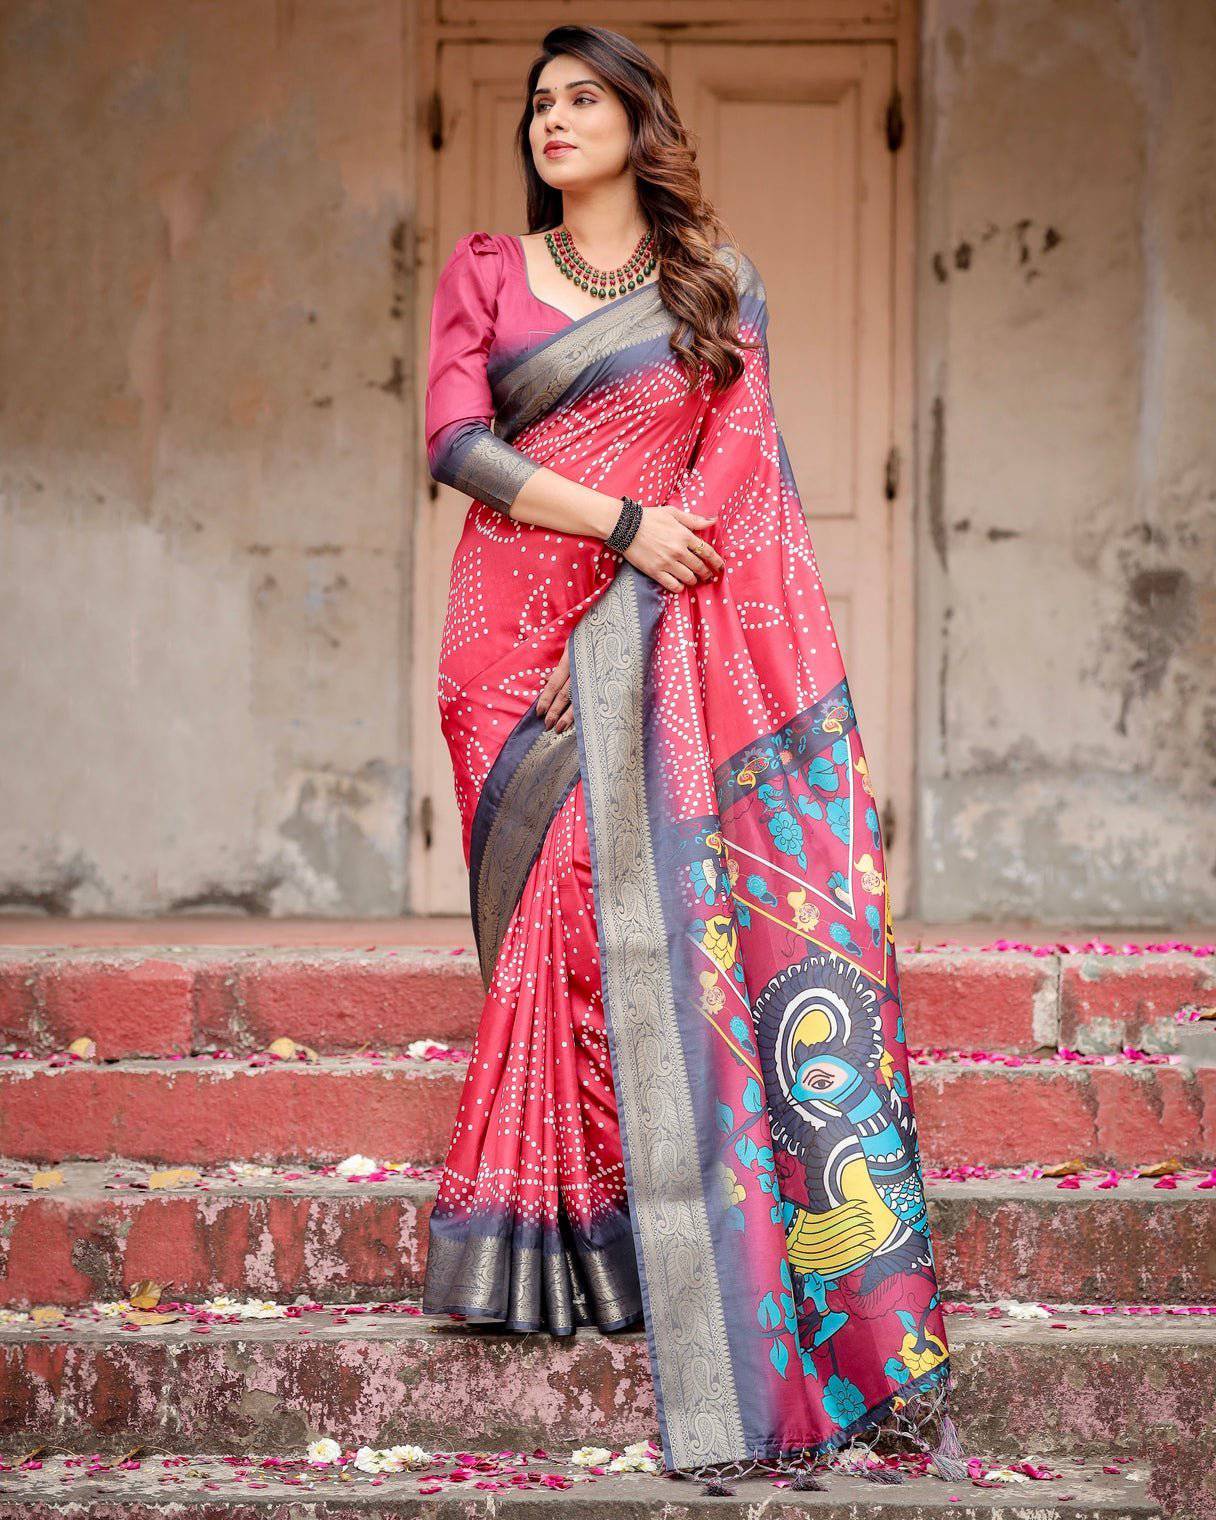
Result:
pixel 206 389
pixel 1067 445
pixel 204 438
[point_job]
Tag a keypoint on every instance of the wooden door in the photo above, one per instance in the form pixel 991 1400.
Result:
pixel 478 186
pixel 793 150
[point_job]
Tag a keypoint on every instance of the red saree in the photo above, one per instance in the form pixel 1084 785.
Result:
pixel 688 1100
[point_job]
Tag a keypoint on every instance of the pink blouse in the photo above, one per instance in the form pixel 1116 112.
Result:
pixel 483 318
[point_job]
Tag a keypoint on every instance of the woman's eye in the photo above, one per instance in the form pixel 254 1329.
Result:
pixel 578 100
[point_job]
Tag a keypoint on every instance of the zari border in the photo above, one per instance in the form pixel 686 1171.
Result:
pixel 699 1410
pixel 535 772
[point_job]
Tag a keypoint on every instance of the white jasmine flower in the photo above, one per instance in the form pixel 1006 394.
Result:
pixel 369 1459
pixel 634 1463
pixel 590 1456
pixel 641 1449
pixel 357 1166
pixel 421 1047
pixel 1005 1475
pixel 1017 1310
pixel 249 1308
pixel 410 1456
pixel 324 1450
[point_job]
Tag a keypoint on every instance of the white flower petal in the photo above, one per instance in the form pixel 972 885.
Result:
pixel 357 1166
pixel 410 1456
pixel 590 1456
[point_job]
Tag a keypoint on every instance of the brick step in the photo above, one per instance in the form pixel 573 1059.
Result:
pixel 162 1002
pixel 1100 1388
pixel 211 1111
pixel 209 1490
pixel 335 1241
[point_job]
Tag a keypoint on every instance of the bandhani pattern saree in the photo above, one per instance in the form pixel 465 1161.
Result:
pixel 688 1103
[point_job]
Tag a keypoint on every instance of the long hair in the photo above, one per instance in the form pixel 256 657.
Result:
pixel 694 283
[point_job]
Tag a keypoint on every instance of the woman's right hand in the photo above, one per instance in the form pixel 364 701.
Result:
pixel 668 547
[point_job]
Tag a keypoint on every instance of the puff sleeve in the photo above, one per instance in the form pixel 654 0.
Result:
pixel 462 449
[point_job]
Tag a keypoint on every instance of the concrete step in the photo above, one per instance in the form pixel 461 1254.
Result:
pixel 1125 1113
pixel 329 1239
pixel 211 1489
pixel 158 1002
pixel 1072 1386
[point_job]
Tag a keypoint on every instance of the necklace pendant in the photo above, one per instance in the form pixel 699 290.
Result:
pixel 603 284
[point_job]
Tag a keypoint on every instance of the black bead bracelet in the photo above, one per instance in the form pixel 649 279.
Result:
pixel 627 525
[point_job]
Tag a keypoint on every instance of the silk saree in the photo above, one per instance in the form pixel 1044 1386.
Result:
pixel 688 1104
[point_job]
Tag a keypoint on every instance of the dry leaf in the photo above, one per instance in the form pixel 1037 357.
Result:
pixel 173 1176
pixel 1064 1169
pixel 47 1179
pixel 48 1314
pixel 85 1048
pixel 145 1294
pixel 1161 1169
pixel 149 1317
pixel 288 1050
pixel 1207 1015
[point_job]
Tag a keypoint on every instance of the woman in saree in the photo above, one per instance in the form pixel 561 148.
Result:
pixel 687 1106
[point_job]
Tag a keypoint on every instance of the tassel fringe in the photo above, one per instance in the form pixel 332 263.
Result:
pixel 907 1421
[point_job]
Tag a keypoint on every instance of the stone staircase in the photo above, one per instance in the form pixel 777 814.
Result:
pixel 178 1151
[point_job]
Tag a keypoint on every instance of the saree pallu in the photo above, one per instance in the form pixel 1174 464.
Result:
pixel 689 1096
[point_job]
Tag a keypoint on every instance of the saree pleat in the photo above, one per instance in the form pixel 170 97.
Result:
pixel 531 1226
pixel 689 1098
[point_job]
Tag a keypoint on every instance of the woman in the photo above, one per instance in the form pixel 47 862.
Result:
pixel 688 1100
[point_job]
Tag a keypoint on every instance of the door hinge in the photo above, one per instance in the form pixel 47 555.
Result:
pixel 895 122
pixel 890 479
pixel 426 821
pixel 435 120
pixel 888 824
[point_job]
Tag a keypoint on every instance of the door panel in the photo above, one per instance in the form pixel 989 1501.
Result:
pixel 478 186
pixel 793 154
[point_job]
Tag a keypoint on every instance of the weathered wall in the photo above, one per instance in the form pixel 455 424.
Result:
pixel 204 439
pixel 1067 427
pixel 206 455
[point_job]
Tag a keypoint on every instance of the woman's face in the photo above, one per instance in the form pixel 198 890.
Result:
pixel 573 106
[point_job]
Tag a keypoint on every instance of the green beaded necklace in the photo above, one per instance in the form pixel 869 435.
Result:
pixel 605 284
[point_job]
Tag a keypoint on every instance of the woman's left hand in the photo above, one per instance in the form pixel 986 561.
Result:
pixel 553 704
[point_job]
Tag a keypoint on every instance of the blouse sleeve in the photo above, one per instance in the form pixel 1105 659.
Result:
pixel 462 450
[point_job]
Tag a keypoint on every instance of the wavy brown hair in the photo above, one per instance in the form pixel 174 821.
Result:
pixel 695 285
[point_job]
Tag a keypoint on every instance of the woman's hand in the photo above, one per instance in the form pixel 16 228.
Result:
pixel 553 704
pixel 668 548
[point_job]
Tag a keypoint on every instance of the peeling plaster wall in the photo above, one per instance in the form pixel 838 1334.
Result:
pixel 1067 448
pixel 204 434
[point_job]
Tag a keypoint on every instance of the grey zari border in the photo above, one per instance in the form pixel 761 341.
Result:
pixel 547 371
pixel 685 1322
pixel 539 784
